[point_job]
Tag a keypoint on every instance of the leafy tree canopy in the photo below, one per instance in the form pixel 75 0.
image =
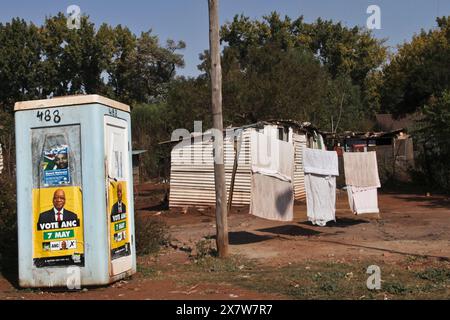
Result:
pixel 419 70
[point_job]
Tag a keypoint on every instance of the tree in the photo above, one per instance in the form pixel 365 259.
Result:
pixel 188 100
pixel 20 63
pixel 152 67
pixel 151 126
pixel 418 71
pixel 20 70
pixel 344 51
pixel 279 68
pixel 38 62
pixel 431 136
pixel 270 73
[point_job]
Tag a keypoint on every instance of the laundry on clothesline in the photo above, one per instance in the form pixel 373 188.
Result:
pixel 321 169
pixel 272 189
pixel 362 179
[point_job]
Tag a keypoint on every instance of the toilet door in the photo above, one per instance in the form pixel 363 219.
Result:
pixel 117 193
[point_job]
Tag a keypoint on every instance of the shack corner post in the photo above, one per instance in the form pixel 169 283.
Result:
pixel 216 99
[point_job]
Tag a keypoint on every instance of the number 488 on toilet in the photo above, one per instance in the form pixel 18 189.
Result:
pixel 49 116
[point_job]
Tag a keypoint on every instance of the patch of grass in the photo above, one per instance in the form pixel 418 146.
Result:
pixel 395 288
pixel 203 249
pixel 147 271
pixel 151 235
pixel 413 259
pixel 436 275
pixel 230 265
pixel 329 287
pixel 315 280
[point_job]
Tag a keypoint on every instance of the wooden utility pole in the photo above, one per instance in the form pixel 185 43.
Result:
pixel 216 98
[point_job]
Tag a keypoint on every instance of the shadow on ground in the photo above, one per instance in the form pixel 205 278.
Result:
pixel 429 202
pixel 291 230
pixel 340 223
pixel 158 207
pixel 244 237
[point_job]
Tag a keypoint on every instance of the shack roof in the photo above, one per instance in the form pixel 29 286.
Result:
pixel 300 126
pixel 363 135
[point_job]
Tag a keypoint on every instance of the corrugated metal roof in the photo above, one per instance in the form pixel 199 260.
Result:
pixel 300 126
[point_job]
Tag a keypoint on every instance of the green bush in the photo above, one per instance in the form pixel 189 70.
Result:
pixel 8 222
pixel 151 234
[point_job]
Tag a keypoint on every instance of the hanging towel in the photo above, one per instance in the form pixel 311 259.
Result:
pixel 361 169
pixel 321 169
pixel 272 157
pixel 363 200
pixel 361 177
pixel 272 198
pixel 320 162
pixel 320 198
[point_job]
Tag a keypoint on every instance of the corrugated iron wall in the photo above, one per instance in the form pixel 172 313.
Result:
pixel 192 173
pixel 299 173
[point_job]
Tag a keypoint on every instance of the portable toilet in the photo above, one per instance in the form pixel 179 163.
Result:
pixel 75 208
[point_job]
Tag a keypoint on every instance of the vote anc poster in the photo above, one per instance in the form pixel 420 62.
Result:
pixel 57 209
pixel 118 217
pixel 58 227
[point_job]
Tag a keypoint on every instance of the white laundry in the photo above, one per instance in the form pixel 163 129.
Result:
pixel 272 157
pixel 363 200
pixel 361 169
pixel 320 198
pixel 361 177
pixel 272 195
pixel 272 198
pixel 321 169
pixel 320 162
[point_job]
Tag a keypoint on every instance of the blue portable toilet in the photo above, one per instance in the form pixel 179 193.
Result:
pixel 75 207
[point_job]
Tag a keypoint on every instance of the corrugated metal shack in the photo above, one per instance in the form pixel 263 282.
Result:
pixel 192 169
pixel 395 152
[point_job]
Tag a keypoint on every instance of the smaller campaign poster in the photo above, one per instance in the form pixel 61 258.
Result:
pixel 119 222
pixel 55 165
pixel 58 227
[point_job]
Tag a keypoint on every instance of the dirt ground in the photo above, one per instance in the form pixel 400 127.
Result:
pixel 411 234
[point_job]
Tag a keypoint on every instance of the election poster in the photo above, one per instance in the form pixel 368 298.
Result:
pixel 119 219
pixel 55 165
pixel 58 227
pixel 57 201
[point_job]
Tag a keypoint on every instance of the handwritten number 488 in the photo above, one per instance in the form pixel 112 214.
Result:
pixel 47 116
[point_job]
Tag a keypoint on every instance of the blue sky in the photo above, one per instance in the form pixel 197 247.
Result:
pixel 187 20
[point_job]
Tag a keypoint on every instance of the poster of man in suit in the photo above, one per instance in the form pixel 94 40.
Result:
pixel 58 213
pixel 119 207
pixel 119 227
pixel 55 164
pixel 58 232
pixel 57 199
